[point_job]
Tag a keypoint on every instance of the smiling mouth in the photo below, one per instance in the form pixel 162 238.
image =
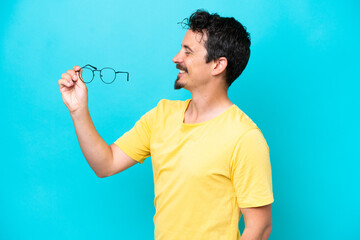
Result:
pixel 181 69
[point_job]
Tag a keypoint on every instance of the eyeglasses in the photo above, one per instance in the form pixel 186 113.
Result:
pixel 107 74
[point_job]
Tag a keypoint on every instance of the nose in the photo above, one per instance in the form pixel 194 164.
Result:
pixel 177 58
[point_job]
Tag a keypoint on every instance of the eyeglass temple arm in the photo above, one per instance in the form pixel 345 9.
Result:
pixel 127 79
pixel 90 66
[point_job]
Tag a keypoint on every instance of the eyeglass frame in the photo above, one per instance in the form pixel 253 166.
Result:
pixel 96 70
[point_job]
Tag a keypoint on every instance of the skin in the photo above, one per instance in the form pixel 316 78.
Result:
pixel 206 83
pixel 73 91
pixel 258 223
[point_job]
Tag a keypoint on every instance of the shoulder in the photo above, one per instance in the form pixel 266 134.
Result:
pixel 170 103
pixel 165 108
pixel 167 105
pixel 244 128
pixel 239 121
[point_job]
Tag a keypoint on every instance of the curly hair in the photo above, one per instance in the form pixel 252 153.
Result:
pixel 225 37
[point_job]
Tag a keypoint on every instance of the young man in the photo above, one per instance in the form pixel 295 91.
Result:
pixel 210 161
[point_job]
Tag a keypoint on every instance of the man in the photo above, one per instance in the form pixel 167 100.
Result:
pixel 210 161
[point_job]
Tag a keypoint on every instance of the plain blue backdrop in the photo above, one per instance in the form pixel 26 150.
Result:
pixel 300 87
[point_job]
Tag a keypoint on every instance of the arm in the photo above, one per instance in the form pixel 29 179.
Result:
pixel 258 223
pixel 251 176
pixel 96 151
pixel 105 160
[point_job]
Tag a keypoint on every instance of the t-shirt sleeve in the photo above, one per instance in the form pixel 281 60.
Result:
pixel 251 171
pixel 136 142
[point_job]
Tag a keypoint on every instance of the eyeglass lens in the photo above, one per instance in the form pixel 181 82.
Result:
pixel 86 74
pixel 107 74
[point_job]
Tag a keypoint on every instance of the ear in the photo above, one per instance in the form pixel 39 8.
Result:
pixel 219 66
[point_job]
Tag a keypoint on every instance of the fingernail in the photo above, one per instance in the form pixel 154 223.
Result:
pixel 74 77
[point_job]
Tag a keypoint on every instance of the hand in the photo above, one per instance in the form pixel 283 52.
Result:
pixel 73 90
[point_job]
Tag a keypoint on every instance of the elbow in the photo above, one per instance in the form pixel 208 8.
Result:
pixel 269 227
pixel 267 231
pixel 102 175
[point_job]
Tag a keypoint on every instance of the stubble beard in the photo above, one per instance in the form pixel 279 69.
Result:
pixel 178 85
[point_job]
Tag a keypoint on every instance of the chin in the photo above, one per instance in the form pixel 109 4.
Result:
pixel 178 84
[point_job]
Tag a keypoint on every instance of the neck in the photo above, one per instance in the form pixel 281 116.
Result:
pixel 206 106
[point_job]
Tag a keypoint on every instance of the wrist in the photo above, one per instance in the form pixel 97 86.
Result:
pixel 80 113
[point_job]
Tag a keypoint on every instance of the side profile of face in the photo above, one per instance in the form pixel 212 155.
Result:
pixel 191 61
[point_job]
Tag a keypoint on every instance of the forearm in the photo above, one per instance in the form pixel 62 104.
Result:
pixel 96 151
pixel 252 234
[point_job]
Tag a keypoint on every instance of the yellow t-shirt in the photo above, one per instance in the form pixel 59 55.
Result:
pixel 203 172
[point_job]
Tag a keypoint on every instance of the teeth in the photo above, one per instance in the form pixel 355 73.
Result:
pixel 182 71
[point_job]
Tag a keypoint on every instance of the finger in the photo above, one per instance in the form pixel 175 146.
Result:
pixel 66 76
pixel 72 74
pixel 79 75
pixel 76 68
pixel 80 83
pixel 65 83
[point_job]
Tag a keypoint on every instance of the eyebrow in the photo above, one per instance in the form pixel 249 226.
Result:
pixel 187 47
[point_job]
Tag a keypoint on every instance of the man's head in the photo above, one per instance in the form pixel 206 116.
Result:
pixel 213 46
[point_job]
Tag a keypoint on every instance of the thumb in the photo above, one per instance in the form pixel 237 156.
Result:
pixel 76 68
pixel 79 82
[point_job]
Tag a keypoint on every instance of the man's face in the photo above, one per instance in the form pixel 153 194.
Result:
pixel 191 61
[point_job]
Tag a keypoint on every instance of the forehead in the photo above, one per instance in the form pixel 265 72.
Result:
pixel 194 40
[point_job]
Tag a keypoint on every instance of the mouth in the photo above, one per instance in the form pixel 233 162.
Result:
pixel 182 71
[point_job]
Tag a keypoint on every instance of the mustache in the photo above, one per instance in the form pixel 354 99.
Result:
pixel 178 66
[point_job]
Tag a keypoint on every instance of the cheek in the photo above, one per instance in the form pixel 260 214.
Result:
pixel 194 66
pixel 202 69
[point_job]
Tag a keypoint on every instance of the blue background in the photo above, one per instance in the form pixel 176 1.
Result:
pixel 300 87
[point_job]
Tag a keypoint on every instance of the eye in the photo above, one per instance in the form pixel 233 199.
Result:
pixel 187 53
